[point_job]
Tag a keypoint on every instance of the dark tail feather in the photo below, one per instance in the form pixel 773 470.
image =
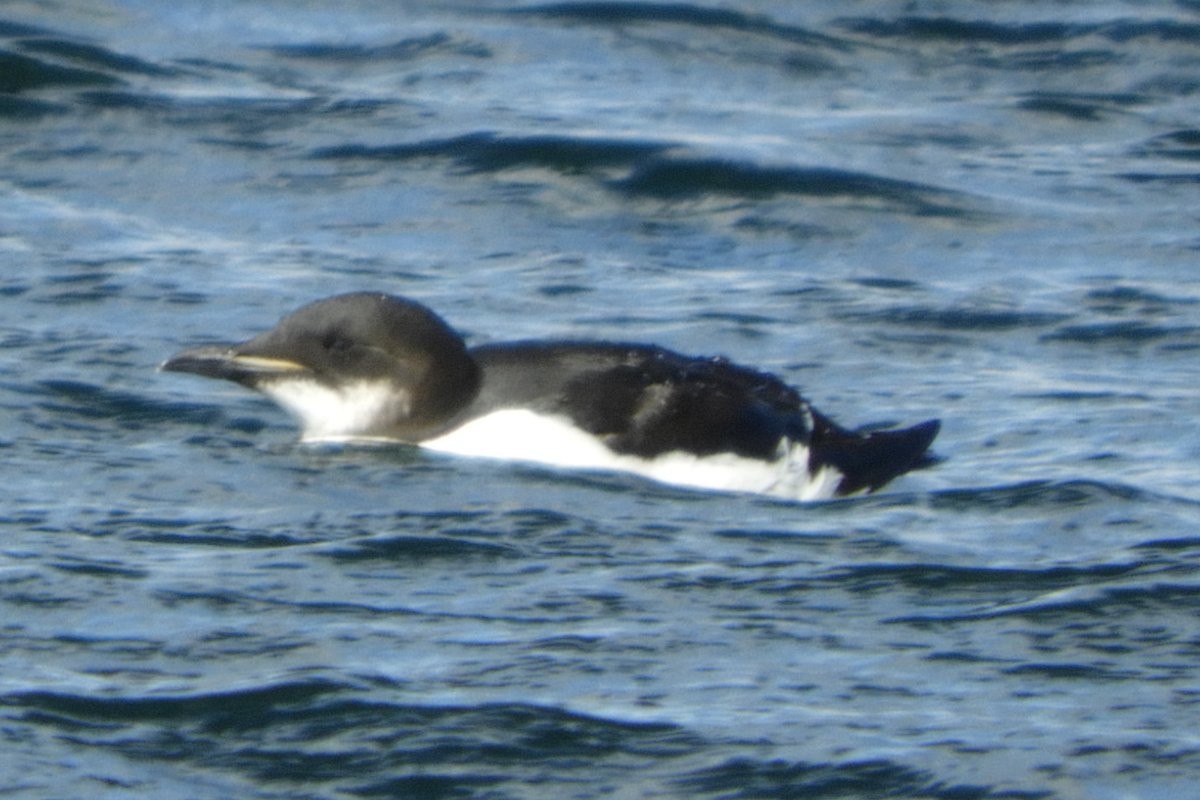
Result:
pixel 869 461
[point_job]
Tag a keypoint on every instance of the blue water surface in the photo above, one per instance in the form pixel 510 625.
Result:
pixel 976 211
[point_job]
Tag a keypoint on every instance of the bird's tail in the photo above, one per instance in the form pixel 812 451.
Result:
pixel 867 461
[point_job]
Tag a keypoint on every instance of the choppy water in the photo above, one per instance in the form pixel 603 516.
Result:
pixel 984 212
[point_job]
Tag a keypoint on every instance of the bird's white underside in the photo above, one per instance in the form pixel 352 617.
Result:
pixel 346 414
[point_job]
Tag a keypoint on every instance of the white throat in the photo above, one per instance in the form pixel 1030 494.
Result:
pixel 356 410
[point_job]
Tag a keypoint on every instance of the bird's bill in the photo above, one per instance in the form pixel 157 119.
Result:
pixel 227 364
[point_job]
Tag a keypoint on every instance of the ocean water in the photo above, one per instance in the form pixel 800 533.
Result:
pixel 984 212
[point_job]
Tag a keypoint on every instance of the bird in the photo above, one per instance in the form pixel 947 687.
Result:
pixel 378 367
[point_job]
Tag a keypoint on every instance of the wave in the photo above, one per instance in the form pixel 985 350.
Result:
pixel 1165 178
pixel 1122 298
pixel 1059 47
pixel 37 59
pixel 950 29
pixel 489 152
pixel 1182 145
pixel 746 778
pixel 945 579
pixel 1137 593
pixel 23 108
pixel 959 30
pixel 21 73
pixel 409 549
pixel 411 49
pixel 1127 332
pixel 1081 106
pixel 985 320
pixel 95 57
pixel 344 737
pixel 83 400
pixel 657 170
pixel 685 177
pixel 683 14
pixel 1048 494
pixel 34 60
pixel 209 708
pixel 14 29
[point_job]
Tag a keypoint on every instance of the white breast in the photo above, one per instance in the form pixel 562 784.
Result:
pixel 519 434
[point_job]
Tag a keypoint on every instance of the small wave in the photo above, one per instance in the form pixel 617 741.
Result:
pixel 21 108
pixel 1165 178
pixel 489 152
pixel 15 29
pixel 1103 598
pixel 744 777
pixel 409 549
pixel 95 57
pixel 986 320
pixel 1125 332
pixel 404 50
pixel 122 100
pixel 1183 145
pixel 193 533
pixel 944 578
pixel 1054 60
pixel 1123 299
pixel 1163 30
pixel 20 73
pixel 959 30
pixel 1170 545
pixel 318 732
pixel 1037 494
pixel 1015 35
pixel 888 283
pixel 210 708
pixel 1071 671
pixel 1076 396
pixel 100 569
pixel 88 400
pixel 1079 106
pixel 676 178
pixel 684 14
pixel 651 171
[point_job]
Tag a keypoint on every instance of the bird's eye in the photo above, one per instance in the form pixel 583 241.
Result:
pixel 335 341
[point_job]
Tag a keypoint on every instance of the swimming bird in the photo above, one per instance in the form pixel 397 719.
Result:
pixel 373 366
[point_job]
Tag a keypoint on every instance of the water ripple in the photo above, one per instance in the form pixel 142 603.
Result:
pixel 684 14
pixel 654 170
pixel 490 152
pixel 1038 494
pixel 951 29
pixel 747 778
pixel 317 732
pixel 438 43
pixel 96 57
pixel 409 549
pixel 21 73
pixel 675 178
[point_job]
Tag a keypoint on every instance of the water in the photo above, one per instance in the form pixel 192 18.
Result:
pixel 975 211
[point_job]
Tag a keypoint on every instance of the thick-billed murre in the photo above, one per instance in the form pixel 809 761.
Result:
pixel 371 366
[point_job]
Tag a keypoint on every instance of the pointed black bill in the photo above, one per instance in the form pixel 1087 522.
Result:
pixel 227 364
